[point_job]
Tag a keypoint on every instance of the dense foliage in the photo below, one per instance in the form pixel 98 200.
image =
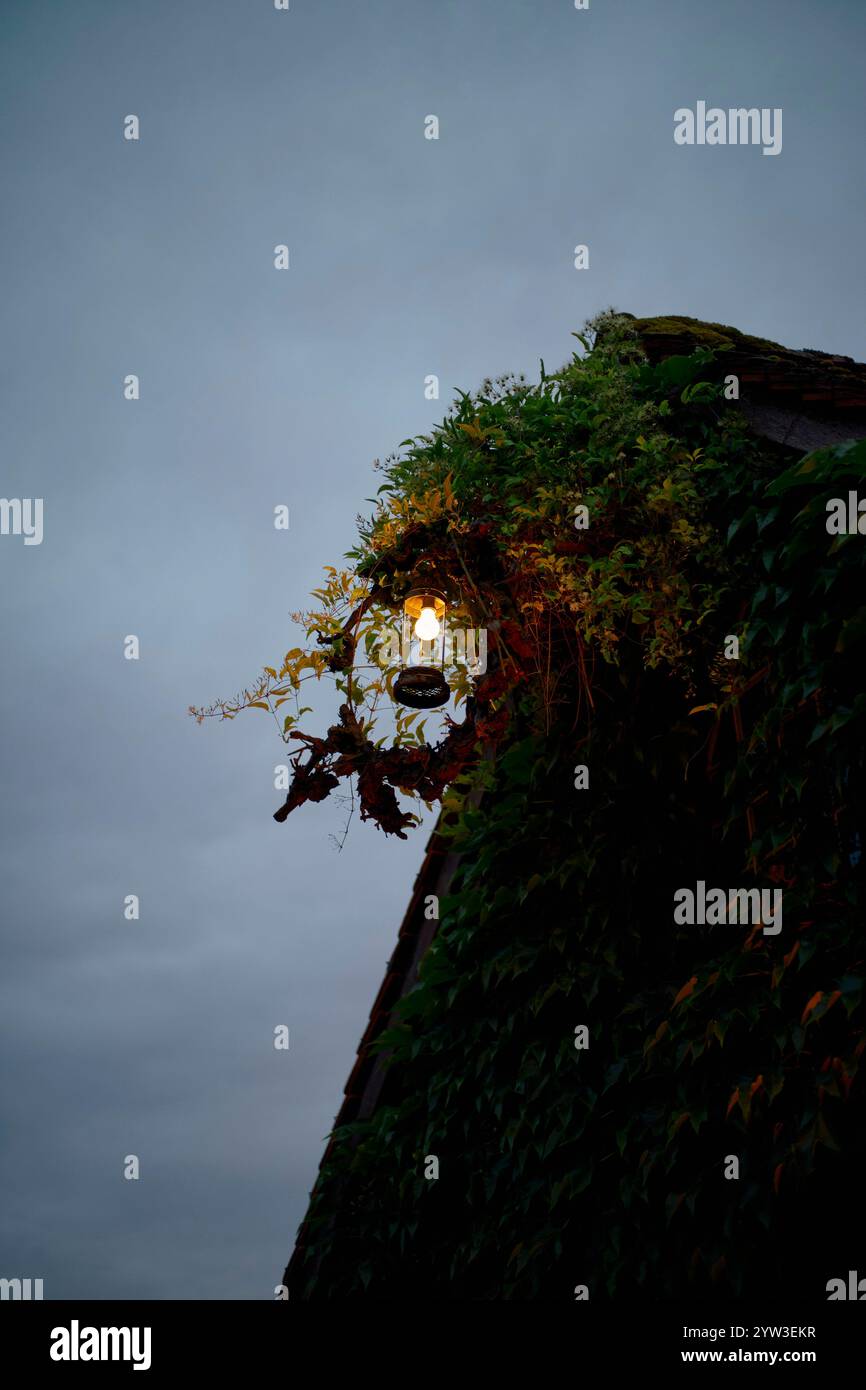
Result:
pixel 605 1165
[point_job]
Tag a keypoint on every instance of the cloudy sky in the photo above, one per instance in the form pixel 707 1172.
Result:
pixel 408 257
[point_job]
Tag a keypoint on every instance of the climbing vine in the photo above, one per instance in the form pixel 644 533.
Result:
pixel 491 497
pixel 612 526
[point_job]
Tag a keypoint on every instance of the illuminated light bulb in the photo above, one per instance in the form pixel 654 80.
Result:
pixel 427 627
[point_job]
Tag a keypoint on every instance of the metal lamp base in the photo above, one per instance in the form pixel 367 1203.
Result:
pixel 421 687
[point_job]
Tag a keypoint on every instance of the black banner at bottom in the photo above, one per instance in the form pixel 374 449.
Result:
pixel 159 1339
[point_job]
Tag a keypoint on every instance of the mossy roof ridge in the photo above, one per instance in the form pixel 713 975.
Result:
pixel 669 335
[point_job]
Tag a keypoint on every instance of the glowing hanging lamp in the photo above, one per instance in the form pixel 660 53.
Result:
pixel 421 683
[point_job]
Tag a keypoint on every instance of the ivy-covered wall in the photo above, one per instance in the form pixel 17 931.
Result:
pixel 584 1092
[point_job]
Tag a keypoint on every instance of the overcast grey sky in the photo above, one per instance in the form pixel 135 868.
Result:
pixel 258 387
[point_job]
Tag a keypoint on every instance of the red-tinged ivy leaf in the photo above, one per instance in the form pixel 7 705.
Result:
pixel 756 1086
pixel 813 1002
pixel 686 990
pixel 733 1101
pixel 777 1177
pixel 659 1034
